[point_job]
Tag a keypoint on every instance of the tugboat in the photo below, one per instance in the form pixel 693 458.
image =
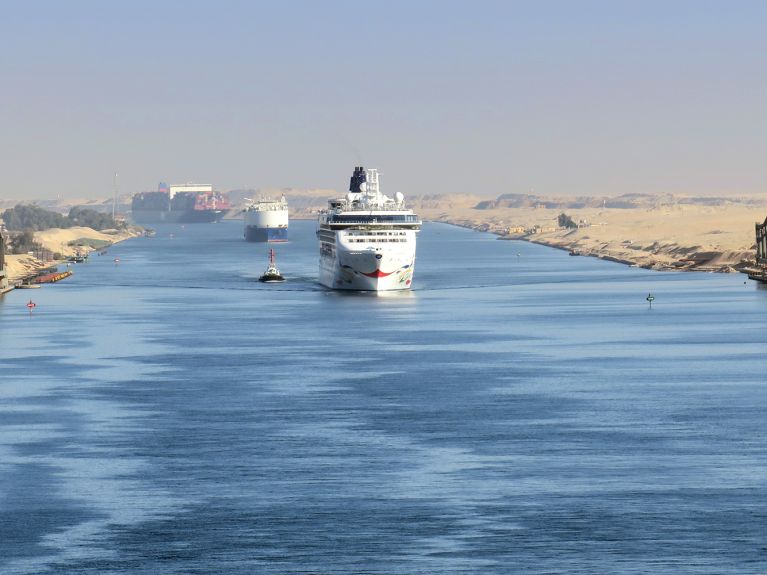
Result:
pixel 78 257
pixel 272 274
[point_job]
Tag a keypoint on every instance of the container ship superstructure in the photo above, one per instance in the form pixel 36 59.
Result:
pixel 186 204
pixel 367 240
pixel 266 220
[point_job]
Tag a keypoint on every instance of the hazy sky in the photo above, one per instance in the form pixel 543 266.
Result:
pixel 487 97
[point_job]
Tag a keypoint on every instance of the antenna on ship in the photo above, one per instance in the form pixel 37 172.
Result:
pixel 114 196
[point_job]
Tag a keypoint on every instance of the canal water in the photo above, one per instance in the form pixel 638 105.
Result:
pixel 520 411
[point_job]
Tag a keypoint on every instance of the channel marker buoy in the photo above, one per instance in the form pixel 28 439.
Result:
pixel 650 299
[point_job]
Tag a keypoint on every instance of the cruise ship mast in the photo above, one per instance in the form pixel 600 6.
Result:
pixel 372 185
pixel 365 192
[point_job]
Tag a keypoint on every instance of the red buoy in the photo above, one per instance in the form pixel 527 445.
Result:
pixel 31 305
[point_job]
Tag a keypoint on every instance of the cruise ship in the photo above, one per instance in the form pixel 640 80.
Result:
pixel 367 240
pixel 266 220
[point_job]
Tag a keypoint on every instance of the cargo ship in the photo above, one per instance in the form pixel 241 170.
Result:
pixel 185 204
pixel 266 220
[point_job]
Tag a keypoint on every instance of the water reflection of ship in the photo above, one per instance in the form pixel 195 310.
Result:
pixel 187 203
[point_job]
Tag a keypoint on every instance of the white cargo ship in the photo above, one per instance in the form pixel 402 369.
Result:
pixel 367 240
pixel 266 220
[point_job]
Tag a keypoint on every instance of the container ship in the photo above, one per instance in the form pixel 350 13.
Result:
pixel 266 220
pixel 367 240
pixel 186 204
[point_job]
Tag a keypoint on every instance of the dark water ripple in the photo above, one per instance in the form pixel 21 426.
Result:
pixel 512 414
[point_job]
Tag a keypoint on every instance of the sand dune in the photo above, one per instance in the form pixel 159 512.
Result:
pixel 58 239
pixel 19 266
pixel 682 236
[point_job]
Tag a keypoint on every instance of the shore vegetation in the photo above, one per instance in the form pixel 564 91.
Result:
pixel 24 217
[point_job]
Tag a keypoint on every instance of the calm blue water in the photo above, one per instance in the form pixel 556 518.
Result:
pixel 521 411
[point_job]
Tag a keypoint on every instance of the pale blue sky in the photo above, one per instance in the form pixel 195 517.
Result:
pixel 561 97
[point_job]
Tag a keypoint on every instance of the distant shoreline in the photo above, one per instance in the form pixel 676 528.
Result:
pixel 22 267
pixel 658 233
pixel 694 260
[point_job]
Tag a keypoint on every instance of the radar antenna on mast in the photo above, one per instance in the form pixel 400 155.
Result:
pixel 114 196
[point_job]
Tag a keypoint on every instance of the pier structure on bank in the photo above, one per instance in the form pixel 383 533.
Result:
pixel 760 272
pixel 4 285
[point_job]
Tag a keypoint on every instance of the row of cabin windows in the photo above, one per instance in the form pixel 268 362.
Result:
pixel 376 240
pixel 359 218
pixel 368 233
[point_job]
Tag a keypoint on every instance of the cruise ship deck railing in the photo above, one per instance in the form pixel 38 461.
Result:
pixel 374 220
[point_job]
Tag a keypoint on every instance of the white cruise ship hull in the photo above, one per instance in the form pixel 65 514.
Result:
pixel 367 240
pixel 368 270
